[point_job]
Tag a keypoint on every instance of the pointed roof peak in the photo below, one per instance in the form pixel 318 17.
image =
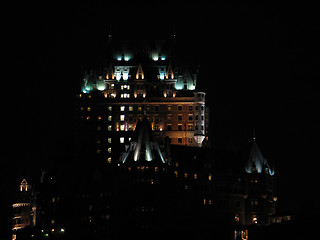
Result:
pixel 256 161
pixel 143 146
pixel 140 72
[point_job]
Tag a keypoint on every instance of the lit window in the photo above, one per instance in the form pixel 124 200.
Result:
pixel 121 127
pixel 176 173
pixel 254 219
pixel 122 108
pixel 204 201
pixel 109 160
pixel 99 117
pixel 185 175
pixel 88 109
pixel 109 127
pixel 109 140
pixel 130 127
pixel 130 108
pixel 109 150
pixel 109 108
pixel 109 118
pixel 210 177
pixel 195 176
pixel 139 108
pixel 122 117
pixel 169 108
pixel 122 140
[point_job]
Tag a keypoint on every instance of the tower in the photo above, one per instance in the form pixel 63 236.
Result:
pixel 146 192
pixel 260 188
pixel 141 78
pixel 24 208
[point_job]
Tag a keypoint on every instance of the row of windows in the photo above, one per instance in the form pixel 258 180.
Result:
pixel 130 127
pixel 194 175
pixel 147 168
pixel 147 108
pixel 122 117
pixel 121 140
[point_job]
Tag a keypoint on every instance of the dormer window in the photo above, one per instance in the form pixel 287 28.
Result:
pixel 24 186
pixel 140 74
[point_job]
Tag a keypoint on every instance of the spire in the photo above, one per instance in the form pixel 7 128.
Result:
pixel 169 74
pixel 256 161
pixel 140 72
pixel 143 145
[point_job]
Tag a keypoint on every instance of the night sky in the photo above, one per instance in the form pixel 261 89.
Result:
pixel 258 65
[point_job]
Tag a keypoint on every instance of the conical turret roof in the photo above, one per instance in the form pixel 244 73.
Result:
pixel 256 161
pixel 143 145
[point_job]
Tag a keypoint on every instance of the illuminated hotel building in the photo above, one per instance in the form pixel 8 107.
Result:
pixel 142 78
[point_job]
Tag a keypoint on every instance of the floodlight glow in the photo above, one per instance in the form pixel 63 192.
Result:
pixel 148 155
pixel 125 76
pixel 179 86
pixel 118 76
pixel 192 87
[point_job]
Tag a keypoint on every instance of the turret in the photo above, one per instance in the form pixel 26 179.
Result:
pixel 256 162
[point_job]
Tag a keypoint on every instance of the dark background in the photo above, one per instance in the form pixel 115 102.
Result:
pixel 259 63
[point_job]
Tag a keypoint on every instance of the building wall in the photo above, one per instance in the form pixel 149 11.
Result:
pixel 110 122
